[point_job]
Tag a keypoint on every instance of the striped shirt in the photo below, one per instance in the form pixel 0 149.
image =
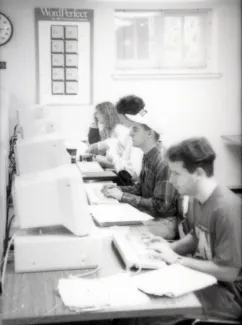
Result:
pixel 153 194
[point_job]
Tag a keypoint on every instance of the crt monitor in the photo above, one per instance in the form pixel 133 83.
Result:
pixel 40 153
pixel 52 197
pixel 35 120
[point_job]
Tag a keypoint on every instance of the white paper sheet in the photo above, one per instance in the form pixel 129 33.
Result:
pixel 112 291
pixel 173 281
pixel 122 213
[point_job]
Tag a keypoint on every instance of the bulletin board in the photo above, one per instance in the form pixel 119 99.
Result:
pixel 64 55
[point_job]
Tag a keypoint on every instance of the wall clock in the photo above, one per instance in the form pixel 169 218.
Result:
pixel 6 29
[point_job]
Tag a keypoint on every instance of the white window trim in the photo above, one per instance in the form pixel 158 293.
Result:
pixel 211 72
pixel 160 74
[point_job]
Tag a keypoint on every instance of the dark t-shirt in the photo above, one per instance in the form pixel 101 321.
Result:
pixel 217 226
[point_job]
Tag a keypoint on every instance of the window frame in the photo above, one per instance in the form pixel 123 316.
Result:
pixel 211 70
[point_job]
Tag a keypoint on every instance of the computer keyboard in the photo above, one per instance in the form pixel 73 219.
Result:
pixel 95 195
pixel 135 252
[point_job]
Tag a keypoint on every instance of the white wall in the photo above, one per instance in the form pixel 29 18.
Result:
pixel 186 107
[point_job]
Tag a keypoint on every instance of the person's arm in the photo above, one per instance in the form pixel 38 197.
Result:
pixel 220 272
pixel 98 148
pixel 122 161
pixel 185 245
pixel 93 148
pixel 163 199
pixel 131 190
pixel 103 161
pixel 227 258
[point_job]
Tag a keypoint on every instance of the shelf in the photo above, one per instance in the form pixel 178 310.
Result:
pixel 235 139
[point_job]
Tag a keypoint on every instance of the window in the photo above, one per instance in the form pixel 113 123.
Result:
pixel 163 40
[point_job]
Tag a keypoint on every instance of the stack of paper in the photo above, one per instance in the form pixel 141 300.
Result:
pixel 89 166
pixel 112 291
pixel 118 214
pixel 173 281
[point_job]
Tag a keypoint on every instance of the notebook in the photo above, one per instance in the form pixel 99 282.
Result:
pixel 134 252
pixel 117 214
pixel 173 281
pixel 95 195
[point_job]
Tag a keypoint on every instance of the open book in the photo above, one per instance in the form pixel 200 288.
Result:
pixel 173 281
pixel 117 214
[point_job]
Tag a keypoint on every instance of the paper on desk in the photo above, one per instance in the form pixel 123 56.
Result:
pixel 122 213
pixel 173 281
pixel 112 291
pixel 89 166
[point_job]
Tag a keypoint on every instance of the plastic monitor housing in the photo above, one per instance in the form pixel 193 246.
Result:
pixel 40 153
pixel 34 121
pixel 52 197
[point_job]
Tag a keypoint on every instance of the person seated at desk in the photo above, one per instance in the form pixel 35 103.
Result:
pixel 126 105
pixel 214 239
pixel 153 194
pixel 105 118
pixel 129 105
pixel 117 152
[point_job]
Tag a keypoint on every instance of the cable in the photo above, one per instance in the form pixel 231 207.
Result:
pixel 84 274
pixel 11 171
pixel 139 269
pixel 6 259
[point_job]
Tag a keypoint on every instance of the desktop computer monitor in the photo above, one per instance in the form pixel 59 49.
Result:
pixel 40 153
pixel 52 197
pixel 34 121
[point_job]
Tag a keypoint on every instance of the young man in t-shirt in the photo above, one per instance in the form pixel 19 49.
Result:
pixel 214 238
pixel 153 193
pixel 214 220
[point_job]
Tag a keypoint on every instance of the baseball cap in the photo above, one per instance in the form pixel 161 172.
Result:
pixel 145 117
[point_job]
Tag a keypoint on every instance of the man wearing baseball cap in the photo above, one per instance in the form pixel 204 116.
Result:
pixel 153 194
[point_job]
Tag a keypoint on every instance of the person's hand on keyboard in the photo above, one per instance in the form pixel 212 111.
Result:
pixel 165 252
pixel 153 255
pixel 149 239
pixel 114 192
pixel 107 186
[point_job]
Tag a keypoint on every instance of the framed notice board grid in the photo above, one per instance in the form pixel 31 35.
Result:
pixel 65 57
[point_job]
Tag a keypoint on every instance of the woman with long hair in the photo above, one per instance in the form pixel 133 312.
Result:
pixel 105 119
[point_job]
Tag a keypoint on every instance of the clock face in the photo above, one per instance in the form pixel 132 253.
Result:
pixel 6 29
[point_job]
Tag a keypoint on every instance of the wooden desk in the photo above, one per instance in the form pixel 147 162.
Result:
pixel 31 298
